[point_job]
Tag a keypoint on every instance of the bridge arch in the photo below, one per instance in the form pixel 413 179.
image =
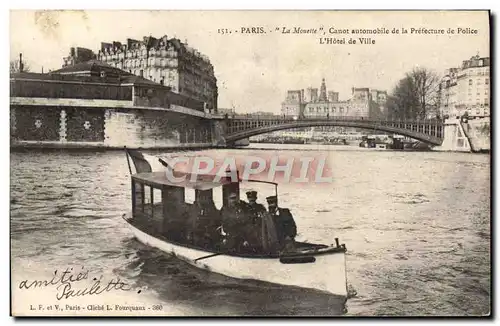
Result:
pixel 370 125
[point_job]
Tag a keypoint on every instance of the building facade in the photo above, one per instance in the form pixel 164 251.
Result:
pixel 229 112
pixel 294 103
pixel 466 89
pixel 327 104
pixel 168 62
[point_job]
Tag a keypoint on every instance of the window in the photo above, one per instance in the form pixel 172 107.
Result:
pixel 486 81
pixel 147 201
pixel 470 81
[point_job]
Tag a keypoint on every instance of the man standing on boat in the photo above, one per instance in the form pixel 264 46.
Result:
pixel 235 223
pixel 286 228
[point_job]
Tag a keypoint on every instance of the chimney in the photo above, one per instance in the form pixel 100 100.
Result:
pixel 301 95
pixel 20 62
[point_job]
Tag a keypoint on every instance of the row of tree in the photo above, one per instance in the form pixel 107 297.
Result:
pixel 415 95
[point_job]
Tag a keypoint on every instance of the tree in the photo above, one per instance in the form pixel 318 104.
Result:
pixel 14 66
pixel 427 87
pixel 392 109
pixel 415 95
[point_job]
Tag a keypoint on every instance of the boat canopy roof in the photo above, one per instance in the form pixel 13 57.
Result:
pixel 160 179
pixel 200 182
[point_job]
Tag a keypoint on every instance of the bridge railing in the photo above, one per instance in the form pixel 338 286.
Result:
pixel 290 118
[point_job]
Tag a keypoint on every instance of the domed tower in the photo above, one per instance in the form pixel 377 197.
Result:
pixel 322 92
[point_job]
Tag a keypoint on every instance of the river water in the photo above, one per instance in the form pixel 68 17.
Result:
pixel 416 226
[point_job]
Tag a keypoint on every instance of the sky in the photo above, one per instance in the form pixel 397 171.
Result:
pixel 254 71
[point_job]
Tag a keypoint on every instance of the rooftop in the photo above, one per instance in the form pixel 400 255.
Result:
pixel 150 42
pixel 90 72
pixel 476 61
pixel 90 66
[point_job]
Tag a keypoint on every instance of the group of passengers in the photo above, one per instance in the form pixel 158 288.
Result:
pixel 241 226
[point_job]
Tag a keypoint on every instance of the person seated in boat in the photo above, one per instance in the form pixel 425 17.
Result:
pixel 235 223
pixel 255 212
pixel 254 208
pixel 205 219
pixel 286 229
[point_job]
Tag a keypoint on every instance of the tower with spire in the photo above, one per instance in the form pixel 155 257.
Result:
pixel 322 92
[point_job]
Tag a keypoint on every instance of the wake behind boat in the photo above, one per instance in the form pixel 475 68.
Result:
pixel 241 240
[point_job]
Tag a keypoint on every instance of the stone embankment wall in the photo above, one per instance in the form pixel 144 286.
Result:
pixel 116 127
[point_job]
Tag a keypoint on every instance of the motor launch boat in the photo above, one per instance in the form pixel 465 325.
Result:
pixel 160 215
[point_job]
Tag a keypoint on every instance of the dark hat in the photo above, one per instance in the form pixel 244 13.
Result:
pixel 252 194
pixel 272 199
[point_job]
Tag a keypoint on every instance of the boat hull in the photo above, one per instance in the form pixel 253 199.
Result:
pixel 327 273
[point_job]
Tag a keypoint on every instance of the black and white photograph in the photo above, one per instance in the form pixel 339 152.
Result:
pixel 250 163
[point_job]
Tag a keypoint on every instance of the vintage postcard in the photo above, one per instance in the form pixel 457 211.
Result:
pixel 250 163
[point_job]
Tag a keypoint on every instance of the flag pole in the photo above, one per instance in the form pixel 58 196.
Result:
pixel 276 192
pixel 128 160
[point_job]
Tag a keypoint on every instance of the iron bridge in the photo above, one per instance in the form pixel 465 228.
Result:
pixel 243 126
